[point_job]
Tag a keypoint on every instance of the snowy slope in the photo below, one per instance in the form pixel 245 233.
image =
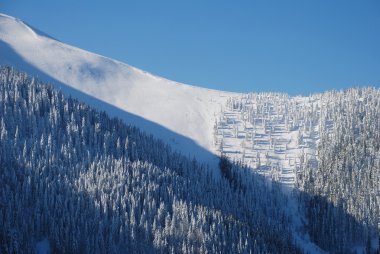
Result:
pixel 268 132
pixel 179 113
pixel 273 134
pixel 197 121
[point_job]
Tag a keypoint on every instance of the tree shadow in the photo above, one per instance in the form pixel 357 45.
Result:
pixel 332 228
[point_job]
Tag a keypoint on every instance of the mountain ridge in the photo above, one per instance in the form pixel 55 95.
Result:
pixel 132 90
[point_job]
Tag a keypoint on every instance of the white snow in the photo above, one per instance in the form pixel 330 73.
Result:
pixel 186 111
pixel 263 131
pixel 272 133
pixel 268 132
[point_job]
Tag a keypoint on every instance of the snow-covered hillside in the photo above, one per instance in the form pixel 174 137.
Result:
pixel 288 139
pixel 179 114
pixel 262 130
pixel 270 132
pixel 266 131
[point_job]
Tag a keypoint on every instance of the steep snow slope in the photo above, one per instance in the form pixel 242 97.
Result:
pixel 187 112
pixel 262 130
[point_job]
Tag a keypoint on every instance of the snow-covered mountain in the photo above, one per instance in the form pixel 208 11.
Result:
pixel 179 114
pixel 197 121
pixel 303 142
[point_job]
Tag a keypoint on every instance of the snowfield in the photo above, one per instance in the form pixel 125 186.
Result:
pixel 185 110
pixel 265 131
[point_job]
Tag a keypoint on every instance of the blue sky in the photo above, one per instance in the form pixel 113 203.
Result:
pixel 294 46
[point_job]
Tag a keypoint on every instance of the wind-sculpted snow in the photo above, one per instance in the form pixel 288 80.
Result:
pixel 186 110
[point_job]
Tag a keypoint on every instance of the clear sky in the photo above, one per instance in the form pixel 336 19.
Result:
pixel 294 46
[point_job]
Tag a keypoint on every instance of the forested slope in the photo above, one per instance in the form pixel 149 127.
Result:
pixel 324 148
pixel 90 184
pixel 343 189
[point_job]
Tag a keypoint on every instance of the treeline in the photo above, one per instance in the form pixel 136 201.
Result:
pixel 91 184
